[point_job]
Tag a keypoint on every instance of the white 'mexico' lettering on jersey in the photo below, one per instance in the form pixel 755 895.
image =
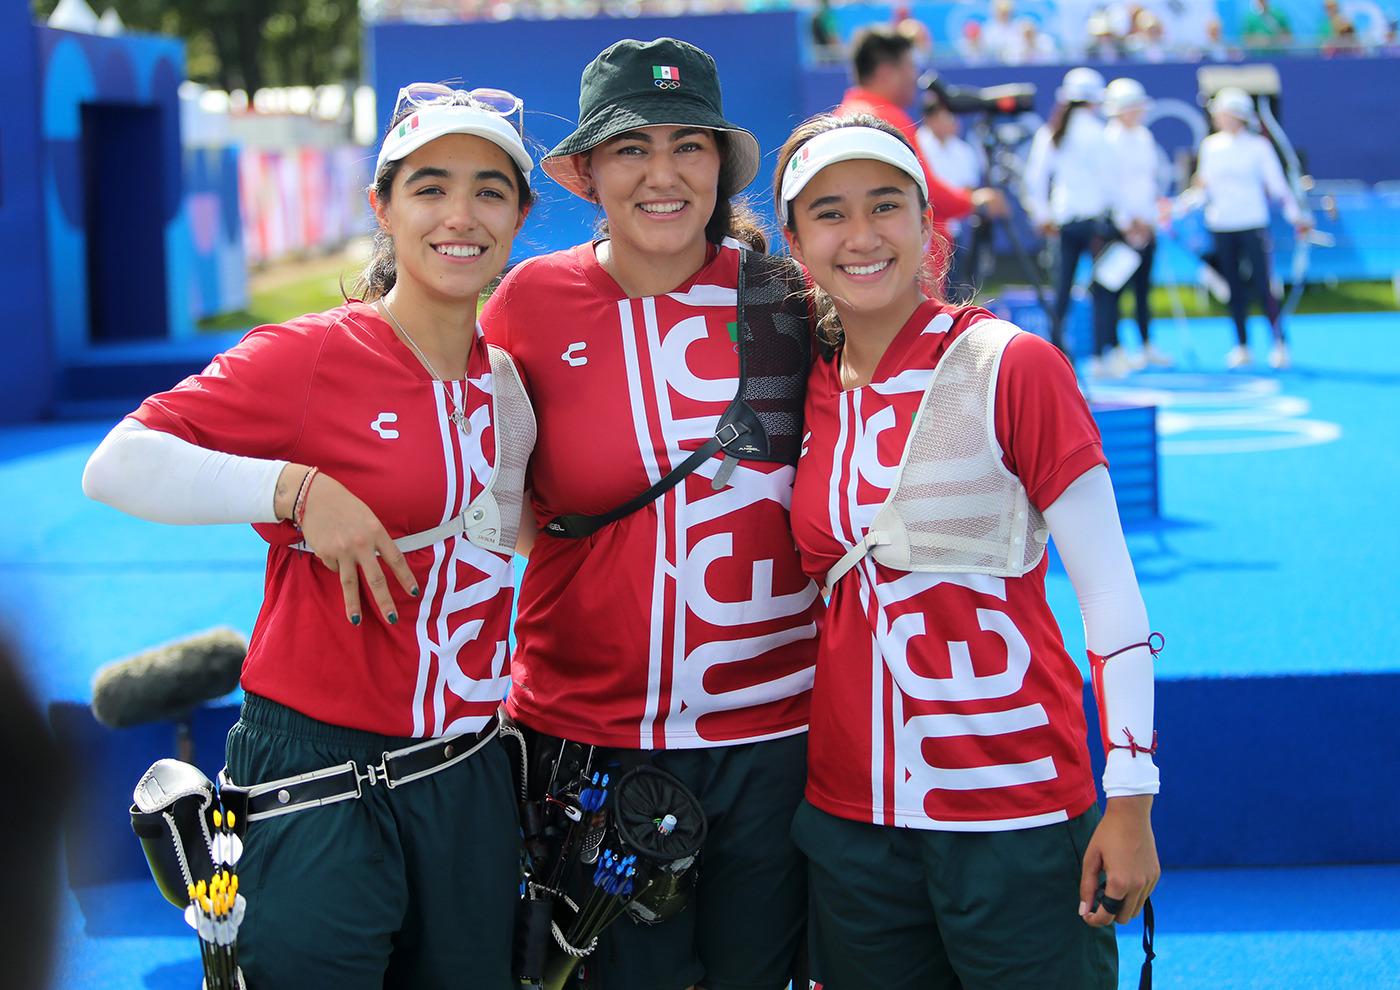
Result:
pixel 463 576
pixel 381 425
pixel 914 777
pixel 573 354
pixel 672 356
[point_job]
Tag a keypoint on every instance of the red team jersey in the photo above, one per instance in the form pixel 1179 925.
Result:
pixel 942 701
pixel 688 623
pixel 340 391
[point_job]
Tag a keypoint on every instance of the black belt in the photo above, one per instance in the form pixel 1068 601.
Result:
pixel 345 782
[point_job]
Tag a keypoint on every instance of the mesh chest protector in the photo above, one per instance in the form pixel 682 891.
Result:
pixel 764 422
pixel 492 519
pixel 954 507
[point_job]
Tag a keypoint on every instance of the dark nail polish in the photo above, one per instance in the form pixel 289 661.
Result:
pixel 355 619
pixel 393 618
pixel 413 591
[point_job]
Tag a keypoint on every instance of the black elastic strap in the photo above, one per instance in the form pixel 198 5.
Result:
pixel 577 526
pixel 1149 934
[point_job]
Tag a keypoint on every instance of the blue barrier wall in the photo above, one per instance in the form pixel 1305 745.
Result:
pixel 81 74
pixel 26 376
pixel 1325 106
pixel 540 61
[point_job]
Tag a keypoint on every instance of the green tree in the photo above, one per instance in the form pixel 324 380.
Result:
pixel 248 44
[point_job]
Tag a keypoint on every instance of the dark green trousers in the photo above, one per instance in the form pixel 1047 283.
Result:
pixel 414 887
pixel 742 930
pixel 914 909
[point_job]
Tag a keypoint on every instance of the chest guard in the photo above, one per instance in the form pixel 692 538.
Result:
pixel 954 507
pixel 492 519
pixel 764 422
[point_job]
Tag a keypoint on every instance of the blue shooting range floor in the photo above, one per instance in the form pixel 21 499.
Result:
pixel 1274 558
pixel 1320 928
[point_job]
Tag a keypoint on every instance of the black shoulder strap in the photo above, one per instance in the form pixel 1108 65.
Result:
pixel 764 422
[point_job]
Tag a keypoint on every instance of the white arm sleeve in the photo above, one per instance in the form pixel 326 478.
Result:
pixel 1089 538
pixel 1037 177
pixel 159 477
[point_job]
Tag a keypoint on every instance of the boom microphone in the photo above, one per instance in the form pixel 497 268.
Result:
pixel 169 681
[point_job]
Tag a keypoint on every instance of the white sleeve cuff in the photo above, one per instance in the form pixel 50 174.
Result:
pixel 161 478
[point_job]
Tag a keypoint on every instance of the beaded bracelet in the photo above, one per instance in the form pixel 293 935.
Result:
pixel 299 506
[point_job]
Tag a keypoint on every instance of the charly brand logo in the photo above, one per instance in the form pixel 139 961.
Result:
pixel 573 354
pixel 382 425
pixel 665 77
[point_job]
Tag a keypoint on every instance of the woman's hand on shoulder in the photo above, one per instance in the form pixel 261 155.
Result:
pixel 1124 849
pixel 345 535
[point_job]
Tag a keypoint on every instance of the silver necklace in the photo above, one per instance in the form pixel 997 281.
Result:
pixel 457 415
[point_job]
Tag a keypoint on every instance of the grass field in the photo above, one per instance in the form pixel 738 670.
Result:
pixel 314 285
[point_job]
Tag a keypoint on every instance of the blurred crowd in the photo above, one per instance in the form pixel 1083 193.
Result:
pixel 1117 30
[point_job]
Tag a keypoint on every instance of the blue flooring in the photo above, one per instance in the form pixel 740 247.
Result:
pixel 1276 550
pixel 1281 929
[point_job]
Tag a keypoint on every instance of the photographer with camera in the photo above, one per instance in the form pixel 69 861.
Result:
pixel 1067 197
pixel 956 162
pixel 887 82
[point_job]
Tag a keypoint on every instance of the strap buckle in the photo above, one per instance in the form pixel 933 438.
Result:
pixel 735 433
pixel 375 773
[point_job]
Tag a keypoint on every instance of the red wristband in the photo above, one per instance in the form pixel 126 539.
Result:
pixel 299 506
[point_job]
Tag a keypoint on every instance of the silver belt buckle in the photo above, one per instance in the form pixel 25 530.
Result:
pixel 374 773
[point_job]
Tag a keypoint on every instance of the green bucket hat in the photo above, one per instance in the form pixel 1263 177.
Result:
pixel 636 84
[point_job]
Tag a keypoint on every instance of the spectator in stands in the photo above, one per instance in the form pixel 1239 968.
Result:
pixel 919 37
pixel 971 48
pixel 1135 171
pixel 1213 48
pixel 1000 35
pixel 1338 33
pixel 826 42
pixel 1145 42
pixel 1237 173
pixel 1068 199
pixel 1266 29
pixel 1033 46
pixel 1104 43
pixel 887 82
pixel 954 161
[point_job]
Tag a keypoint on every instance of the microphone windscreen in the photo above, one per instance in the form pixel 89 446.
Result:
pixel 169 681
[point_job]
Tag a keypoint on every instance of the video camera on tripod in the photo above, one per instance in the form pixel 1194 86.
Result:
pixel 1006 100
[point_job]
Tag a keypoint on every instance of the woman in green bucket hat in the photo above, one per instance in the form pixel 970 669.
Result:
pixel 666 620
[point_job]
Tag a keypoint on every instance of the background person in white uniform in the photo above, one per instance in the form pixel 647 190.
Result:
pixel 1237 173
pixel 1066 196
pixel 1135 178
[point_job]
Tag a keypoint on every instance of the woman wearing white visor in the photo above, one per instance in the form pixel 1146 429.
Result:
pixel 1135 179
pixel 1237 173
pixel 379 448
pixel 1068 200
pixel 950 819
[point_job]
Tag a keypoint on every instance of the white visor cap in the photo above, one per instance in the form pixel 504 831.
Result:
pixel 1234 101
pixel 1124 94
pixel 1082 85
pixel 432 122
pixel 845 144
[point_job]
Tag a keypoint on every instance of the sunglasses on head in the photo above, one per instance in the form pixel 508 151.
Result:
pixel 424 94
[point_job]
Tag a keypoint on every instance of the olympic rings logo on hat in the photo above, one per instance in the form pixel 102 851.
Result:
pixel 666 83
